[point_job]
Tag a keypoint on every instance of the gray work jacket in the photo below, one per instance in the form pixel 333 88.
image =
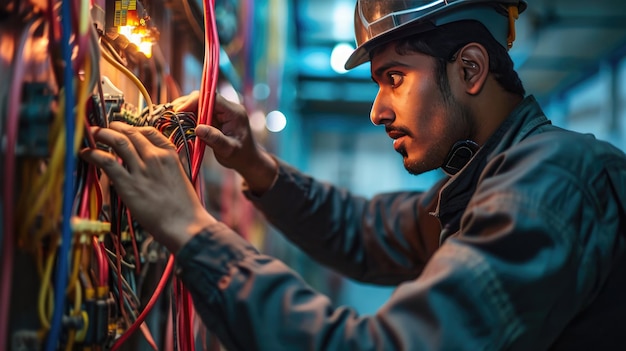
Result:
pixel 523 249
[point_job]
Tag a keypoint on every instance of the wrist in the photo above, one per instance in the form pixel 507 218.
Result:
pixel 260 174
pixel 180 232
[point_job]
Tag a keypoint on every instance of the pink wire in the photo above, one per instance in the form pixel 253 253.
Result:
pixel 15 98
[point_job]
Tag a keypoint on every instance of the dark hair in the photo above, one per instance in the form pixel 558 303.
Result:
pixel 443 42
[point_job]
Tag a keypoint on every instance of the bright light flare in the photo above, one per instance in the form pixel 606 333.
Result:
pixel 339 56
pixel 139 36
pixel 275 121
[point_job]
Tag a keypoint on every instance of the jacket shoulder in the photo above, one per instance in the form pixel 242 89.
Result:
pixel 567 150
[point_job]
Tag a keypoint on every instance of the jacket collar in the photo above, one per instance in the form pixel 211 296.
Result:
pixel 458 190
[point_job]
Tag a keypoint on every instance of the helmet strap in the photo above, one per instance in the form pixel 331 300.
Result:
pixel 460 154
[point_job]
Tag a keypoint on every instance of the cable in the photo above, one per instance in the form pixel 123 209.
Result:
pixel 43 290
pixel 155 296
pixel 82 37
pixel 209 82
pixel 132 77
pixel 103 266
pixel 75 312
pixel 206 104
pixel 133 239
pixel 68 185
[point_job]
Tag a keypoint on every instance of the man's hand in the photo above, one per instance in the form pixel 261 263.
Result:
pixel 153 184
pixel 232 141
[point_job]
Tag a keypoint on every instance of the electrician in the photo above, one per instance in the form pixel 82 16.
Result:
pixel 520 247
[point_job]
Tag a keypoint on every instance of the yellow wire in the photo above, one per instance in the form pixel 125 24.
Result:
pixel 78 300
pixel 75 268
pixel 54 177
pixel 130 76
pixel 44 290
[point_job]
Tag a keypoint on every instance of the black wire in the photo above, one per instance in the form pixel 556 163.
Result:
pixel 188 153
pixel 103 109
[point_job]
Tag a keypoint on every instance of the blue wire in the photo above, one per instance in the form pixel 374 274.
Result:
pixel 70 160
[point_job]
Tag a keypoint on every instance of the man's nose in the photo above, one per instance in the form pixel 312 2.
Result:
pixel 381 114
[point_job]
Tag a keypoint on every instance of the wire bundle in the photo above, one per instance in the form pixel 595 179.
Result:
pixel 45 207
pixel 205 111
pixel 179 127
pixel 209 81
pixel 72 124
pixel 82 251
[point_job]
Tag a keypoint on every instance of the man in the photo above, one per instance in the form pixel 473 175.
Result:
pixel 521 247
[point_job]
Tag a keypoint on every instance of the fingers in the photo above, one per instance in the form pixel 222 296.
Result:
pixel 216 140
pixel 123 147
pixel 187 103
pixel 144 139
pixel 225 110
pixel 106 162
pixel 223 105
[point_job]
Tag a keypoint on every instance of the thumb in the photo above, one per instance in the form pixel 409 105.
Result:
pixel 216 140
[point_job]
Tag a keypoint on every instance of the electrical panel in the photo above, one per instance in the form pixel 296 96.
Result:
pixel 78 273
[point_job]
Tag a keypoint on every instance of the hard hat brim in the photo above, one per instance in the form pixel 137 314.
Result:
pixel 423 24
pixel 362 53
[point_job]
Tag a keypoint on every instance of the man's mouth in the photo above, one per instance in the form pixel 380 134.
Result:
pixel 395 134
pixel 397 137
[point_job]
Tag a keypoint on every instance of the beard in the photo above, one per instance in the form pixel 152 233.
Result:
pixel 415 167
pixel 458 126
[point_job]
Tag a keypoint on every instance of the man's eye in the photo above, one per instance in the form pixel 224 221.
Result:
pixel 395 79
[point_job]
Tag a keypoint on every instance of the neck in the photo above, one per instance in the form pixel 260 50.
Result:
pixel 491 108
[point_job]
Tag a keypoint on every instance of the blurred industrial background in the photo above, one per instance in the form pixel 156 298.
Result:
pixel 282 59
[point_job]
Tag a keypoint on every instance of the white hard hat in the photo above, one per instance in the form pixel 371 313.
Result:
pixel 378 22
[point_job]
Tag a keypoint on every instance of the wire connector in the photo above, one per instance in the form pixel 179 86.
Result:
pixel 84 226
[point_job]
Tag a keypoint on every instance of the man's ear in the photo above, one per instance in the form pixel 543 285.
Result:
pixel 473 61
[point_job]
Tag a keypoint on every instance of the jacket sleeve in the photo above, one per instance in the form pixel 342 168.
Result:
pixel 254 302
pixel 385 240
pixel 529 256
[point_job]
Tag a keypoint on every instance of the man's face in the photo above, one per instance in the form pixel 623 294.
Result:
pixel 423 119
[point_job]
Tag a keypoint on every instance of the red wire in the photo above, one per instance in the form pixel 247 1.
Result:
pixel 84 202
pixel 155 296
pixel 205 111
pixel 190 318
pixel 180 327
pixel 209 81
pixel 100 259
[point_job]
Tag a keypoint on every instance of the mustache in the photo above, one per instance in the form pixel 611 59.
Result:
pixel 397 129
